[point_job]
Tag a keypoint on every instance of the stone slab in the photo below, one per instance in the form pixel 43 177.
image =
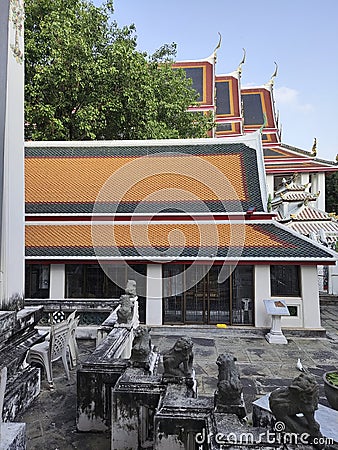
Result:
pixel 326 417
pixel 12 436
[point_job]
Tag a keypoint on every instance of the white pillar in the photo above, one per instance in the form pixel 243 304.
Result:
pixel 262 292
pixel 12 151
pixel 57 281
pixel 154 294
pixel 304 178
pixel 269 185
pixel 321 188
pixel 310 295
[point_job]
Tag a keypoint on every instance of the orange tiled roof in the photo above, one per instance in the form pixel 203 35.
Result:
pixel 81 179
pixel 110 178
pixel 150 235
pixel 259 241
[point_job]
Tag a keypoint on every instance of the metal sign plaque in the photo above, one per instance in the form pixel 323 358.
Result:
pixel 276 307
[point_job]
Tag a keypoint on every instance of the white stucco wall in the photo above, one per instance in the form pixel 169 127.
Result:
pixel 12 238
pixel 262 292
pixel 310 296
pixel 57 281
pixel 154 294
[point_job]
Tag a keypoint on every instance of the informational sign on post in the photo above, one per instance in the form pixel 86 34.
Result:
pixel 276 307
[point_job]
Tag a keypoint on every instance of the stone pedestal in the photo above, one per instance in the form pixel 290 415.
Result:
pixel 98 374
pixel 275 335
pixel 12 436
pixel 135 399
pixel 326 417
pixel 17 335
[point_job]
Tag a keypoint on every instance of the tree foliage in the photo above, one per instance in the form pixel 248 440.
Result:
pixel 331 192
pixel 85 79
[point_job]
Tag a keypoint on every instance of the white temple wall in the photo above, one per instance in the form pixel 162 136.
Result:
pixel 262 292
pixel 154 294
pixel 57 281
pixel 12 145
pixel 310 296
pixel 269 184
pixel 333 280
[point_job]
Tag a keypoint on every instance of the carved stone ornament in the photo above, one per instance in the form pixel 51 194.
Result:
pixel 178 361
pixel 300 397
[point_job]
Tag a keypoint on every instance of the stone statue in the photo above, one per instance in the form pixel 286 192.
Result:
pixel 141 349
pixel 126 311
pixel 228 397
pixel 127 301
pixel 178 361
pixel 131 288
pixel 300 397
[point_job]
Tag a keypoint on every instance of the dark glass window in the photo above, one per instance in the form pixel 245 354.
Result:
pixel 201 294
pixel 223 127
pixel 90 281
pixel 196 74
pixel 253 110
pixel 222 98
pixel 242 295
pixel 293 310
pixel 285 281
pixel 37 281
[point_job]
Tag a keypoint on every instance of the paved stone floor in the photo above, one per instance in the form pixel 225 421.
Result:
pixel 263 367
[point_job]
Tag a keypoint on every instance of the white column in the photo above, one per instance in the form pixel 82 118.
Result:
pixel 310 295
pixel 154 294
pixel 321 189
pixel 57 281
pixel 304 178
pixel 262 292
pixel 12 151
pixel 269 185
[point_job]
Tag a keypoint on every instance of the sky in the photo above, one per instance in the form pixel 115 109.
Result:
pixel 301 36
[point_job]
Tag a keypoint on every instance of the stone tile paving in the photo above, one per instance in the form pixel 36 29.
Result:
pixel 263 367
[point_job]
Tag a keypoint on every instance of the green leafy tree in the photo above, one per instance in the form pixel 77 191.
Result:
pixel 331 192
pixel 85 79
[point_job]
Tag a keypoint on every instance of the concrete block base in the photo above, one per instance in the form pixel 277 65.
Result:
pixel 12 436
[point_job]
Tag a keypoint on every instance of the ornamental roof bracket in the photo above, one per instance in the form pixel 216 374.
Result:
pixel 271 82
pixel 264 123
pixel 239 68
pixel 214 53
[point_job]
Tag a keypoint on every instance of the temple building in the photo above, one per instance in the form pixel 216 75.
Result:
pixel 239 111
pixel 187 219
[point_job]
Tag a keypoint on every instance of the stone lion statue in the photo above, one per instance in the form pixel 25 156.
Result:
pixel 126 311
pixel 229 387
pixel 300 397
pixel 178 361
pixel 141 345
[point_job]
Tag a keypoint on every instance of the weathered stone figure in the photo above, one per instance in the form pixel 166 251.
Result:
pixel 126 311
pixel 229 385
pixel 178 361
pixel 131 288
pixel 141 349
pixel 228 397
pixel 127 302
pixel 300 397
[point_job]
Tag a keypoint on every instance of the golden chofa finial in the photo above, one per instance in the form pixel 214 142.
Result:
pixel 273 76
pixel 239 69
pixel 314 147
pixel 337 157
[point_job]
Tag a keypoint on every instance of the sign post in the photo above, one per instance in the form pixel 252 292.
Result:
pixel 277 309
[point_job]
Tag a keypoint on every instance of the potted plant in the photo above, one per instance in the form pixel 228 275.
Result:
pixel 331 388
